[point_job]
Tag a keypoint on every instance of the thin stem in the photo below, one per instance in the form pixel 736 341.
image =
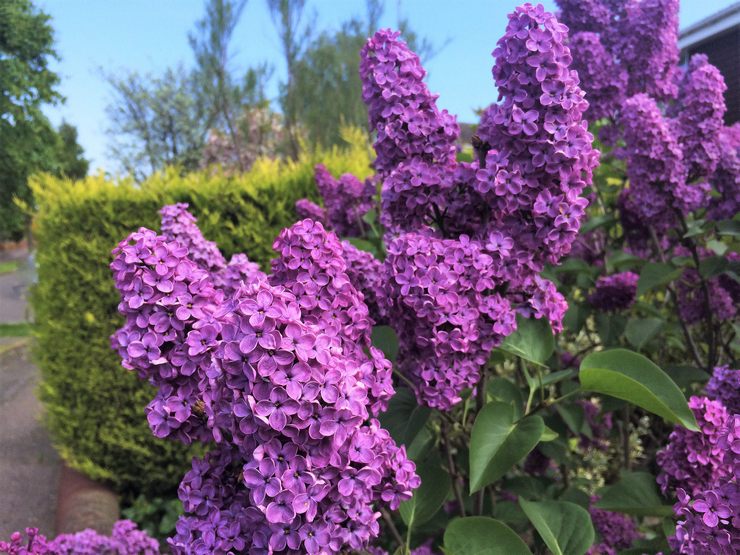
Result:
pixel 404 379
pixel 550 402
pixel 394 531
pixel 451 468
pixel 684 328
pixel 711 339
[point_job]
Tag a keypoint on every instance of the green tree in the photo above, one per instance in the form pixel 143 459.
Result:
pixel 27 139
pixel 71 162
pixel 156 121
pixel 293 32
pixel 323 91
pixel 224 94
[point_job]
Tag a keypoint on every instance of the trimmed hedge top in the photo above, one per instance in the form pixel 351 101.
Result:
pixel 95 408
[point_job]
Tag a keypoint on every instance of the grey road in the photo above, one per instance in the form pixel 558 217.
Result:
pixel 14 288
pixel 29 466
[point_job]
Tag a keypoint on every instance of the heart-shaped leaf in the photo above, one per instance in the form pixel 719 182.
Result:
pixel 636 493
pixel 632 377
pixel 654 274
pixel 404 417
pixel 641 330
pixel 385 339
pixel 532 340
pixel 479 535
pixel 565 527
pixel 498 442
pixel 429 496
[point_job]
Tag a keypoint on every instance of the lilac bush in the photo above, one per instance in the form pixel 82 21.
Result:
pixel 394 383
pixel 125 539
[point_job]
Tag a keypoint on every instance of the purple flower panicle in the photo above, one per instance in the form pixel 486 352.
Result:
pixel 615 292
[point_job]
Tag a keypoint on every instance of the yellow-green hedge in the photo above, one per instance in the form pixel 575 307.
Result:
pixel 95 408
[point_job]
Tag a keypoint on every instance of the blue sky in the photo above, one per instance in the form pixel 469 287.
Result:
pixel 150 35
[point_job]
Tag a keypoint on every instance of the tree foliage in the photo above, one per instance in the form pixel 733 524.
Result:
pixel 27 83
pixel 162 120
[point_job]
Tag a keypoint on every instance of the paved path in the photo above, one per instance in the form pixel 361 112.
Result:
pixel 29 466
pixel 14 288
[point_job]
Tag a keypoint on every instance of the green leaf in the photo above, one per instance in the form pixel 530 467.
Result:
pixel 573 265
pixel 385 339
pixel 576 316
pixel 577 496
pixel 429 496
pixel 548 434
pixel 532 340
pixel 685 376
pixel 498 442
pixel 694 228
pixel 480 535
pixel 559 376
pixel 636 493
pixel 404 417
pixel 556 450
pixel 610 327
pixel 575 418
pixel 370 217
pixel 641 330
pixel 565 527
pixel 597 221
pixel 618 260
pixel 728 227
pixel 363 245
pixel 655 274
pixel 508 392
pixel 713 266
pixel 528 487
pixel 718 247
pixel 632 377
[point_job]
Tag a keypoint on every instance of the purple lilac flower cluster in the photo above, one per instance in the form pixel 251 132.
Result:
pixel 724 386
pixel 180 225
pixel 307 209
pixel 671 120
pixel 466 241
pixel 694 460
pixel 634 42
pixel 346 199
pixel 447 324
pixel 169 305
pixel 726 177
pixel 401 109
pixel 366 274
pixel 709 520
pixel 282 375
pixel 616 531
pixel 125 539
pixel 599 74
pixel 724 291
pixel 699 118
pixel 615 292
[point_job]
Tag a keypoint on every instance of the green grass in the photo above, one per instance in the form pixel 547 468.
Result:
pixel 9 266
pixel 16 329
